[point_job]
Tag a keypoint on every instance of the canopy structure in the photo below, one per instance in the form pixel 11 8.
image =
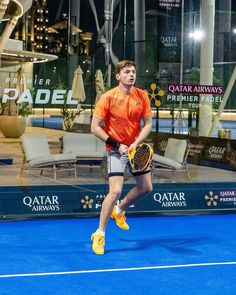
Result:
pixel 11 10
pixel 11 57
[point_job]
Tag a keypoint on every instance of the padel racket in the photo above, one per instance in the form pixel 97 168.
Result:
pixel 140 156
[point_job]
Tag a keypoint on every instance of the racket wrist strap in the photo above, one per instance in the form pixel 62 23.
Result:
pixel 113 143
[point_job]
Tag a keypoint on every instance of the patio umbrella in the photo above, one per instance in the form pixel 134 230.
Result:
pixel 99 85
pixel 78 92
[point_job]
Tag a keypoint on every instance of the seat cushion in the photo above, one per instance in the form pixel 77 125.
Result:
pixel 76 142
pixel 51 159
pixel 89 154
pixel 35 146
pixel 175 149
pixel 83 145
pixel 158 159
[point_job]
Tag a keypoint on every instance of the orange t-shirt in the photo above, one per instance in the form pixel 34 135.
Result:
pixel 122 113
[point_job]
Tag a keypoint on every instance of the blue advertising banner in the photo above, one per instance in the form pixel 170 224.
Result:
pixel 186 198
pixel 86 201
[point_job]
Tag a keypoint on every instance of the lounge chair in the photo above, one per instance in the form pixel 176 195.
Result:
pixel 175 157
pixel 37 155
pixel 89 150
pixel 86 146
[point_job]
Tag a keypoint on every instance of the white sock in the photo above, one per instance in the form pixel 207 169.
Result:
pixel 118 210
pixel 100 232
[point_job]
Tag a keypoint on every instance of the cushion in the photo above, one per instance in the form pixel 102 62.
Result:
pixel 51 159
pixel 175 149
pixel 83 145
pixel 89 154
pixel 73 142
pixel 35 146
pixel 158 159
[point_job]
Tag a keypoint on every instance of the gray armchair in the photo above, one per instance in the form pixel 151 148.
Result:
pixel 175 157
pixel 37 155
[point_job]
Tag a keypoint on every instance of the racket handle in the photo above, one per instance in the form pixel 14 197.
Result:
pixel 131 152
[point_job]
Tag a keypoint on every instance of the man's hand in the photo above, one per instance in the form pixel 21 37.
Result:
pixel 133 145
pixel 123 149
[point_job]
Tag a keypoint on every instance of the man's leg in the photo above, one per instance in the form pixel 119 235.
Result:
pixel 142 188
pixel 115 189
pixel 98 238
pixel 116 165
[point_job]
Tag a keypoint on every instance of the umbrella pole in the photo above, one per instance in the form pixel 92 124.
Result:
pixel 109 75
pixel 92 105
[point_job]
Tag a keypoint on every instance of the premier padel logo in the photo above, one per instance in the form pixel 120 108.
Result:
pixel 211 199
pixel 87 203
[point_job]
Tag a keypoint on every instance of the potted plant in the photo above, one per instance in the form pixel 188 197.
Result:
pixel 13 119
pixel 68 116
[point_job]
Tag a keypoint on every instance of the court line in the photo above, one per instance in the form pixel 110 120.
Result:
pixel 117 269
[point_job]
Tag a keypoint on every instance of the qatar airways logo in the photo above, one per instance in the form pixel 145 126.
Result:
pixel 228 198
pixel 195 89
pixel 42 203
pixel 170 199
pixel 216 152
pixel 169 41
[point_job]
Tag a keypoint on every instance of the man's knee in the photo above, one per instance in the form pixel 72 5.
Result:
pixel 145 189
pixel 114 194
pixel 148 188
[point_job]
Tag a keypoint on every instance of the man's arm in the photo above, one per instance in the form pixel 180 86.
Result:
pixel 145 130
pixel 97 130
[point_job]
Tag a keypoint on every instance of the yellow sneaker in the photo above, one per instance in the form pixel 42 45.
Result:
pixel 98 243
pixel 120 219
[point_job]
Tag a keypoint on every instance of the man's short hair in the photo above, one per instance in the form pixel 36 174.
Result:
pixel 124 63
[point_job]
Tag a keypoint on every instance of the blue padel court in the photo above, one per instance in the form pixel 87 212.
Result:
pixel 158 255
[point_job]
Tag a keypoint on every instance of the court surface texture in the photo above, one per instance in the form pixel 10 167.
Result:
pixel 158 255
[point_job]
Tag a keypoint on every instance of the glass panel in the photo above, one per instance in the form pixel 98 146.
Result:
pixel 185 53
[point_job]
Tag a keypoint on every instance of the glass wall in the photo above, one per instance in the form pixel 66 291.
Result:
pixel 185 54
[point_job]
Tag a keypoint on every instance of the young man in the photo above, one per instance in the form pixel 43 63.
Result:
pixel 117 121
